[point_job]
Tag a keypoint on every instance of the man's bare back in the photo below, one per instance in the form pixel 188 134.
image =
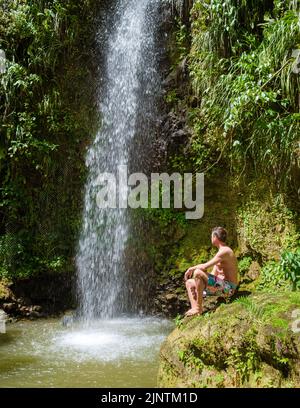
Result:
pixel 227 265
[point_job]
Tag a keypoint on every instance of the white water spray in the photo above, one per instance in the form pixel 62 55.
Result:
pixel 127 99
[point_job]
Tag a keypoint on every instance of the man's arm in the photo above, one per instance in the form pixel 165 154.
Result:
pixel 214 271
pixel 214 261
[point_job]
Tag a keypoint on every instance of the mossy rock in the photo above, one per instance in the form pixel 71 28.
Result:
pixel 4 291
pixel 248 343
pixel 266 226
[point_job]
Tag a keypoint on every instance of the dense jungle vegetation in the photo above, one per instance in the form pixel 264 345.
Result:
pixel 240 101
pixel 245 76
pixel 46 118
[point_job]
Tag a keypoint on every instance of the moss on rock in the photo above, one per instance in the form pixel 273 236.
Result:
pixel 249 343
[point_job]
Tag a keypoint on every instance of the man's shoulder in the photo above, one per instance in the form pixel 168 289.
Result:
pixel 226 250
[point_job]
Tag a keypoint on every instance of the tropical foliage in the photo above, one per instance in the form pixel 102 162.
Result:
pixel 244 72
pixel 45 121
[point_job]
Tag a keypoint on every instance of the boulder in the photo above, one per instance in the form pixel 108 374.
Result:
pixel 36 308
pixel 171 297
pixel 254 271
pixel 252 342
pixel 9 307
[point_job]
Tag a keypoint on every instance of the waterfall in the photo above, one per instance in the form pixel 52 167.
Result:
pixel 129 88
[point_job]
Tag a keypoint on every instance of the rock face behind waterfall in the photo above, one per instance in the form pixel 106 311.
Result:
pixel 253 342
pixel 41 296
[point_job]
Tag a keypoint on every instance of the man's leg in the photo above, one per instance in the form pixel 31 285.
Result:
pixel 192 292
pixel 200 281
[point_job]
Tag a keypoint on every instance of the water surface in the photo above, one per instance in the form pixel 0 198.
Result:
pixel 111 353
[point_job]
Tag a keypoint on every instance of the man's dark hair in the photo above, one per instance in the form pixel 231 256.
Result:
pixel 220 233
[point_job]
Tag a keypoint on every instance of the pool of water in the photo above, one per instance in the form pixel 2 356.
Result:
pixel 110 353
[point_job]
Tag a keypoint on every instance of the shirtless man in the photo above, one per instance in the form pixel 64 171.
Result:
pixel 222 281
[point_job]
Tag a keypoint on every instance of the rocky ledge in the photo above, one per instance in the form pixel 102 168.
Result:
pixel 40 296
pixel 252 342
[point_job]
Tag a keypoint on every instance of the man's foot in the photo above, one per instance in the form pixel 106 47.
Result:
pixel 193 312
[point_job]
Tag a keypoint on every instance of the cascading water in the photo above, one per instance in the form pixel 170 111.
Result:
pixel 127 104
pixel 107 350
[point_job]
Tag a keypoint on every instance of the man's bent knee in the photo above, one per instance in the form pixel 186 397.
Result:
pixel 190 283
pixel 200 274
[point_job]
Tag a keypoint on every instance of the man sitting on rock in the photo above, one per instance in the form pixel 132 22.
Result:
pixel 222 281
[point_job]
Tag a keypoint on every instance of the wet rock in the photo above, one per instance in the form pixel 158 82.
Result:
pixel 180 136
pixel 36 297
pixel 177 76
pixel 36 315
pixel 37 308
pixel 9 307
pixel 26 301
pixel 171 297
pixel 45 294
